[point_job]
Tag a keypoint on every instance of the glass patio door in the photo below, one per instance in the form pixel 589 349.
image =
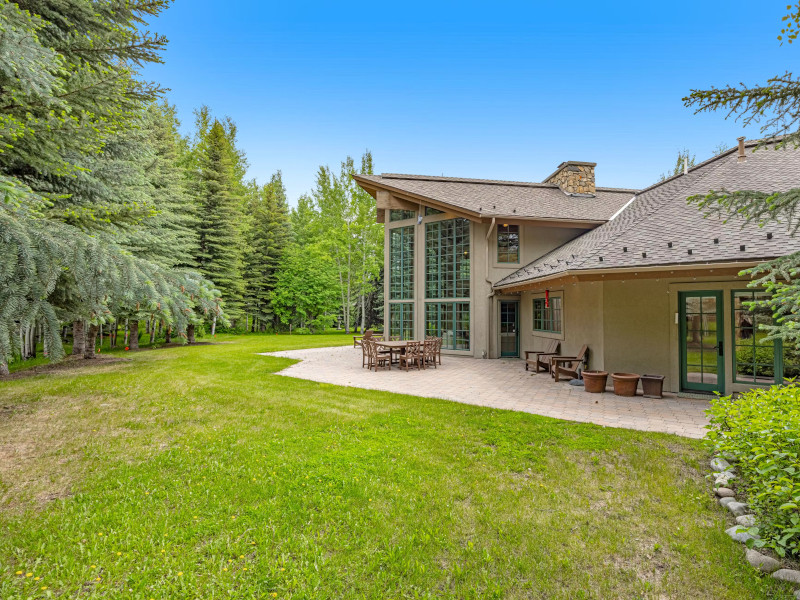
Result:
pixel 509 328
pixel 701 341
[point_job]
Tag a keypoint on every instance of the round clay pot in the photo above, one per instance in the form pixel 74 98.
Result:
pixel 625 384
pixel 594 382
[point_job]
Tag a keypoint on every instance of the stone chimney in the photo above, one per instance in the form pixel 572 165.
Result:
pixel 574 177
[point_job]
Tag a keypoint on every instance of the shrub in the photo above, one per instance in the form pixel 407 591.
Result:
pixel 761 428
pixel 301 331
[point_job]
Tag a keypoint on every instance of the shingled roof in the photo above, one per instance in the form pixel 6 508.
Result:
pixel 493 198
pixel 659 228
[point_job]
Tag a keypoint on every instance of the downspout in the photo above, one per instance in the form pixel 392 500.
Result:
pixel 491 290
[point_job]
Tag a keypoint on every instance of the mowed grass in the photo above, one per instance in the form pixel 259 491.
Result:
pixel 196 472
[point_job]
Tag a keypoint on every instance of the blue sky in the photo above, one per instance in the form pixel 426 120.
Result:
pixel 500 90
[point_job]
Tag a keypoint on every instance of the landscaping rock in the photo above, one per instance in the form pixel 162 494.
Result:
pixel 740 534
pixel 726 500
pixel 724 478
pixel 737 508
pixel 762 562
pixel 720 464
pixel 797 594
pixel 724 492
pixel 789 575
pixel 746 521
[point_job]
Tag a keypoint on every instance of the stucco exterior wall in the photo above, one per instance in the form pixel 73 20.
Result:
pixel 630 325
pixel 580 326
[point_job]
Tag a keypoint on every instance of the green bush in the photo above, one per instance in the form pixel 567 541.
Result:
pixel 301 331
pixel 761 428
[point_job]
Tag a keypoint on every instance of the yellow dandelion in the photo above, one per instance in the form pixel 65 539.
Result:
pixel 194 517
pixel 19 572
pixel 252 543
pixel 241 556
pixel 244 569
pixel 119 553
pixel 100 533
pixel 93 567
pixel 233 516
pixel 97 579
pixel 224 568
pixel 180 573
pixel 147 493
pixel 163 551
pixel 36 578
pixel 274 595
pixel 44 587
pixel 28 574
pixel 282 569
pixel 230 560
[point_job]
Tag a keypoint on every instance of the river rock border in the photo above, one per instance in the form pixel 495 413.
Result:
pixel 723 473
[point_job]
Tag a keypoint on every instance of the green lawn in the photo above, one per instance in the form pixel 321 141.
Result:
pixel 197 473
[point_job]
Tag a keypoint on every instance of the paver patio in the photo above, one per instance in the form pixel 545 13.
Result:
pixel 503 384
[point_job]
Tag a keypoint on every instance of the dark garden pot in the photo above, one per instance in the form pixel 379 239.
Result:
pixel 594 382
pixel 625 384
pixel 653 386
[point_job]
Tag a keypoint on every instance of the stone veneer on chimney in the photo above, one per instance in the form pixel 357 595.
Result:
pixel 574 177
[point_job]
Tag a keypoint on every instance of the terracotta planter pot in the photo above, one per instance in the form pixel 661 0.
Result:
pixel 625 384
pixel 594 382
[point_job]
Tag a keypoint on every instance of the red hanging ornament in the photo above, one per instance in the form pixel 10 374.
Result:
pixel 547 298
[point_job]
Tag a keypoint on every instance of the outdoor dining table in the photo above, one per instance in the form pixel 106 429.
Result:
pixel 398 346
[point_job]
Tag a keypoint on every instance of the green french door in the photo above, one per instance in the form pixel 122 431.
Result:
pixel 509 328
pixel 701 341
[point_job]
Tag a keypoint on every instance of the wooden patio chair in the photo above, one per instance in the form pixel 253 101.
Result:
pixel 365 355
pixel 378 359
pixel 429 353
pixel 541 358
pixel 369 334
pixel 439 342
pixel 412 356
pixel 568 365
pixel 357 339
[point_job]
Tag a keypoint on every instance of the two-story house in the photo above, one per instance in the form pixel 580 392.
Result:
pixel 640 276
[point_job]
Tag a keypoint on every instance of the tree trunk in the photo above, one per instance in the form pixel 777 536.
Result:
pixel 91 341
pixel 167 335
pixel 134 335
pixel 214 326
pixel 151 329
pixel 78 338
pixel 125 335
pixel 4 372
pixel 190 333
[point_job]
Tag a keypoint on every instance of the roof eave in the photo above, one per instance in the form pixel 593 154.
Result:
pixel 731 264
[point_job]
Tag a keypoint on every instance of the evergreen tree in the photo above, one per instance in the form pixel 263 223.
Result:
pixel 776 107
pixel 169 236
pixel 219 214
pixel 74 175
pixel 269 234
pixel 71 87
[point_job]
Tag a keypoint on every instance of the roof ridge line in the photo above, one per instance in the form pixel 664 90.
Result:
pixel 447 179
